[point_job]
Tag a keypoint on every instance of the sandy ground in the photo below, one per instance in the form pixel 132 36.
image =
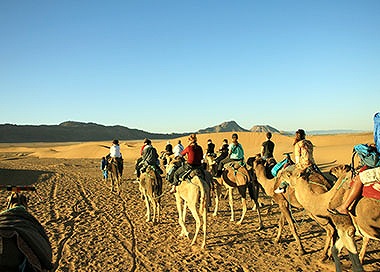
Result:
pixel 92 229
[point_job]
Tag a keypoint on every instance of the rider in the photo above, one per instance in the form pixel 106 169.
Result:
pixel 178 148
pixel 194 154
pixel 303 154
pixel 210 148
pixel 267 147
pixel 235 153
pixel 115 154
pixel 223 152
pixel 149 156
pixel 103 167
pixel 169 148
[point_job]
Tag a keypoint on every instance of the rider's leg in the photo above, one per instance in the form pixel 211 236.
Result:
pixel 354 193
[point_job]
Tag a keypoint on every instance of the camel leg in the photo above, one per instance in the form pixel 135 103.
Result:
pixel 204 217
pixel 346 236
pixel 148 218
pixel 193 209
pixel 184 211
pixel 363 249
pixel 154 206
pixel 244 211
pixel 281 223
pixel 328 243
pixel 180 216
pixel 217 195
pixel 255 197
pixel 286 215
pixel 158 212
pixel 335 251
pixel 230 201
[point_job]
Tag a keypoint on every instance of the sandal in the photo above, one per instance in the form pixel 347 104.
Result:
pixel 336 212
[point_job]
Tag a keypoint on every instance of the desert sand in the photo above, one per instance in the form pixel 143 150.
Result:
pixel 92 229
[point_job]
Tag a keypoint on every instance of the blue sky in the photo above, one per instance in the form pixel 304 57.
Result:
pixel 180 66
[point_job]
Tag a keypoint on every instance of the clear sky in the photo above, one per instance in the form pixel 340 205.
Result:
pixel 179 66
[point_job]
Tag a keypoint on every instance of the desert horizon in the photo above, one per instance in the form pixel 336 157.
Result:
pixel 92 229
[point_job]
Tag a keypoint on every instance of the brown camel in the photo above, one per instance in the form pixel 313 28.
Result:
pixel 237 176
pixel 192 192
pixel 114 173
pixel 319 203
pixel 150 186
pixel 365 212
pixel 287 199
pixel 234 176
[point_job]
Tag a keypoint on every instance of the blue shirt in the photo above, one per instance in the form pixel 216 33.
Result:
pixel 237 152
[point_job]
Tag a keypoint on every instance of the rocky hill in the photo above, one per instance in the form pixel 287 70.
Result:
pixel 230 126
pixel 264 128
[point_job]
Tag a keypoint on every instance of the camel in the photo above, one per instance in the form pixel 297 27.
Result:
pixel 23 239
pixel 150 186
pixel 288 199
pixel 192 192
pixel 365 214
pixel 318 204
pixel 237 176
pixel 115 176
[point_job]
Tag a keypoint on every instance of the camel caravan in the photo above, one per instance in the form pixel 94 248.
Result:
pixel 196 179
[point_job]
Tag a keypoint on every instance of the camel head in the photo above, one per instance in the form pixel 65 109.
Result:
pixel 17 199
pixel 340 170
pixel 291 177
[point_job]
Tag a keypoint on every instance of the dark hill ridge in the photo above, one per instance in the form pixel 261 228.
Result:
pixel 74 132
pixel 71 131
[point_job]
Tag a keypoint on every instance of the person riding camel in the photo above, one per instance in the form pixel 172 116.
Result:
pixel 235 153
pixel 366 177
pixel 115 154
pixel 194 154
pixel 178 148
pixel 223 152
pixel 303 154
pixel 148 157
pixel 267 147
pixel 210 148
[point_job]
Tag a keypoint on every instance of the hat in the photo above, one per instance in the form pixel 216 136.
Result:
pixel 192 138
pixel 115 141
pixel 147 141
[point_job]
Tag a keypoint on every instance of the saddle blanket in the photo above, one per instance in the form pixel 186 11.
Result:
pixel 372 190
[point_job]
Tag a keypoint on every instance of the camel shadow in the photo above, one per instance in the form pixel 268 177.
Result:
pixel 22 177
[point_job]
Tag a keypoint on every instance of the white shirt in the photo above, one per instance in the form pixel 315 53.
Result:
pixel 177 150
pixel 115 151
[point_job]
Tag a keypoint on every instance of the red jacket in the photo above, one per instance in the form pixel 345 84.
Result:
pixel 194 154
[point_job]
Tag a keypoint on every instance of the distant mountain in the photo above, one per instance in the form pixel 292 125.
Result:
pixel 71 131
pixel 230 126
pixel 264 128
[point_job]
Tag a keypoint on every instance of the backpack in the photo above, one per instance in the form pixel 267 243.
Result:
pixel 376 130
pixel 368 155
pixel 278 167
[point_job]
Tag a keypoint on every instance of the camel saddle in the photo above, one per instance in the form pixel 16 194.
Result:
pixel 372 190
